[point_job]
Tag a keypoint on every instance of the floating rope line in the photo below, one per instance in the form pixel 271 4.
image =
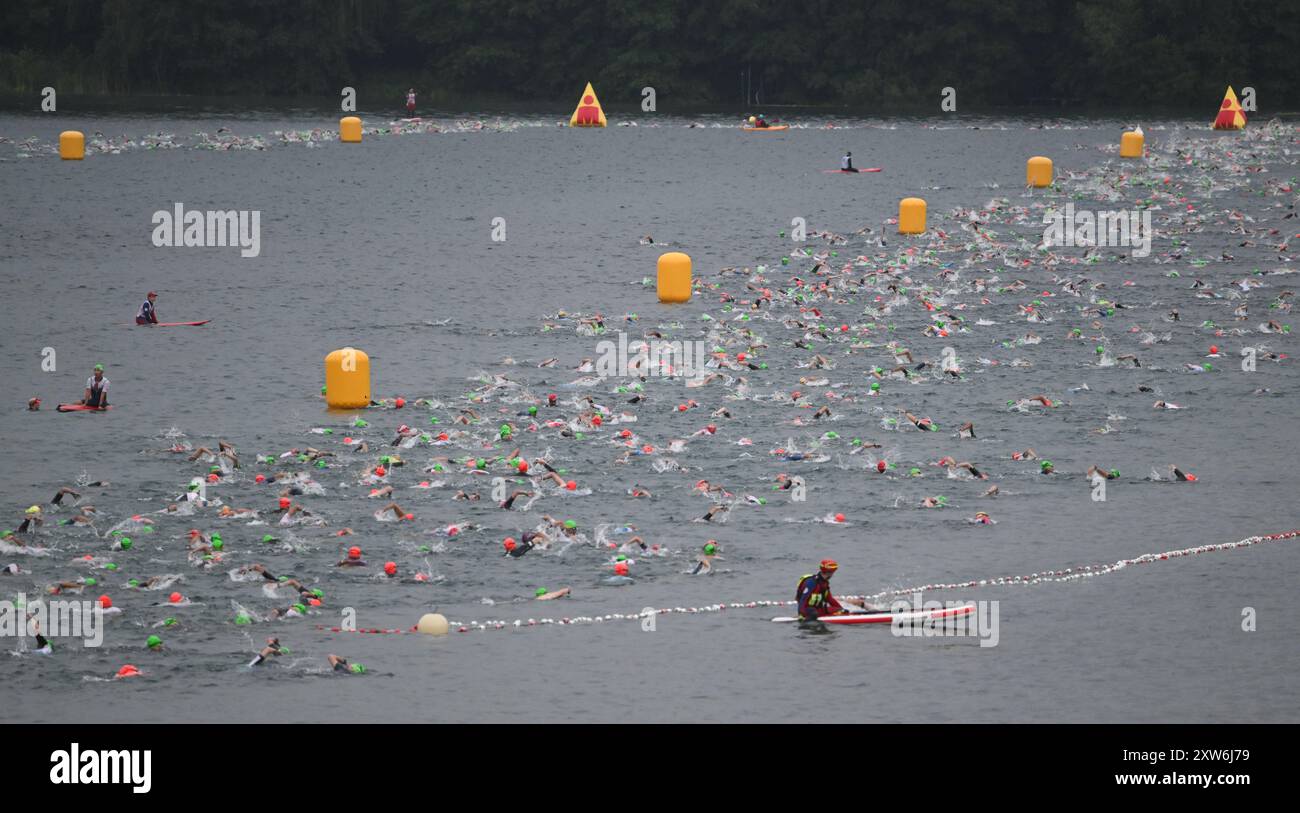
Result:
pixel 1047 576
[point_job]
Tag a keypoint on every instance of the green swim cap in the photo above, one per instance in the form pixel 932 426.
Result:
pixel 934 427
pixel 168 622
pixel 1100 350
pixel 532 410
pixel 193 486
pixel 480 463
pixel 832 435
pixel 941 500
pixel 317 592
pixel 242 619
pixel 217 544
pixel 268 538
pixel 568 523
pixel 90 581
pixel 915 472
pixel 358 668
pixel 110 566
pixel 1208 366
pixel 301 608
pixel 153 642
pixel 322 390
pixel 1045 464
pixel 125 542
pixel 875 385
pixel 216 537
pixel 213 469
pixel 710 548
pixel 541 591
pixel 1114 472
pixel 320 464
pixel 133 582
pixel 99 367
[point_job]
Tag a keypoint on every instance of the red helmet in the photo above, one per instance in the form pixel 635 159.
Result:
pixel 829 566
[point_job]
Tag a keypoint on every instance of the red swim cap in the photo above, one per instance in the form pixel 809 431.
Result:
pixel 523 466
pixel 261 478
pixel 571 485
pixel 379 471
pixel 175 598
pixel 881 466
pixel 390 568
pixel 354 552
pixel 621 568
pixel 509 543
pixel 105 601
pixel 284 502
pixel 829 565
pixel 128 671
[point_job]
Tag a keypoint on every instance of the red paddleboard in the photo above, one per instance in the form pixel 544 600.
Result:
pixel 175 324
pixel 81 408
pixel 846 172
pixel 905 617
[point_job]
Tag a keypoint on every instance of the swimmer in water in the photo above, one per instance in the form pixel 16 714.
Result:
pixel 704 562
pixel 469 496
pixel 924 424
pixel 272 649
pixel 1027 454
pixel 638 491
pixel 967 431
pixel 543 594
pixel 1098 471
pixel 526 543
pixel 509 502
pixel 341 665
pixel 33 405
pixel 353 558
pixel 1180 475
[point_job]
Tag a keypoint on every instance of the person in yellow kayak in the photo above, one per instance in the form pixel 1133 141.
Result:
pixel 814 594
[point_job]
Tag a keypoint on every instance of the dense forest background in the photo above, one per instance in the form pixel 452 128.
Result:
pixel 1090 53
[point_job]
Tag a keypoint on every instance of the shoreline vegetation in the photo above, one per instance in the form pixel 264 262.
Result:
pixel 887 56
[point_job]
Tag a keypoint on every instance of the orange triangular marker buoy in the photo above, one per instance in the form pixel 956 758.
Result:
pixel 1231 116
pixel 588 113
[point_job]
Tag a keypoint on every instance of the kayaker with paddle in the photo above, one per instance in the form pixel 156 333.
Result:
pixel 814 594
pixel 846 163
pixel 147 314
pixel 96 389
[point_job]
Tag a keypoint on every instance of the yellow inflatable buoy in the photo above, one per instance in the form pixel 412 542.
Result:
pixel 1132 143
pixel 588 113
pixel 674 277
pixel 911 216
pixel 1038 172
pixel 347 379
pixel 1231 116
pixel 72 145
pixel 433 624
pixel 350 129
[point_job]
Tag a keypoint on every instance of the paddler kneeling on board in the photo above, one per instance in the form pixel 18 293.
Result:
pixel 96 389
pixel 814 594
pixel 846 163
pixel 147 314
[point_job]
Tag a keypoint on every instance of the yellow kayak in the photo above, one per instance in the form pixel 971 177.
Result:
pixel 772 129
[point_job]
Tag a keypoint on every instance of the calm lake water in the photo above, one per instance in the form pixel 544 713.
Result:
pixel 387 246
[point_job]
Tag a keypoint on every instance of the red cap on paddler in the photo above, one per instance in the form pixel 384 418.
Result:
pixel 829 566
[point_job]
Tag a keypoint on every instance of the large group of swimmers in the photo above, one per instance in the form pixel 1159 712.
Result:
pixel 424 458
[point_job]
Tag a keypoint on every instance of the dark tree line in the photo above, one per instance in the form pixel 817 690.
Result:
pixel 1097 53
